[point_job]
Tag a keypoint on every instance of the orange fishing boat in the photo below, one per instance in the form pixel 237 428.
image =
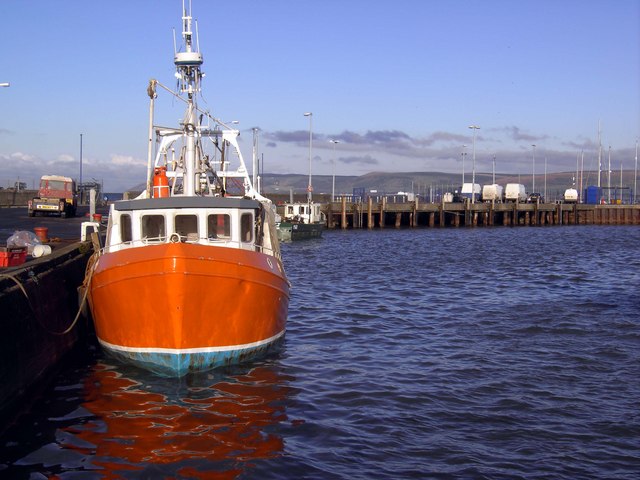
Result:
pixel 190 277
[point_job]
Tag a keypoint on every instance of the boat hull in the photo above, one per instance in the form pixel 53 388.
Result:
pixel 289 231
pixel 178 308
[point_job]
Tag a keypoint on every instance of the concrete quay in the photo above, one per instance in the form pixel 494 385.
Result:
pixel 39 304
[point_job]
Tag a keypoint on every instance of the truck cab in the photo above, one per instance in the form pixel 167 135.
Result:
pixel 56 195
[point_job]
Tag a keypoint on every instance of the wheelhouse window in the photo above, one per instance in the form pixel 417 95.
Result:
pixel 218 226
pixel 187 226
pixel 301 210
pixel 125 228
pixel 290 209
pixel 153 228
pixel 246 227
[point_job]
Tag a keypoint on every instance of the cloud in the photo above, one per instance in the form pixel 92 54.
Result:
pixel 365 160
pixel 444 137
pixel 127 160
pixel 585 144
pixel 297 136
pixel 21 157
pixel 66 158
pixel 515 134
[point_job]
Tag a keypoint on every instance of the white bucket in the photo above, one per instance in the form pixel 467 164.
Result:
pixel 41 250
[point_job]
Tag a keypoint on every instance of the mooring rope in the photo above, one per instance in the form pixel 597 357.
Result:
pixel 17 282
pixel 86 283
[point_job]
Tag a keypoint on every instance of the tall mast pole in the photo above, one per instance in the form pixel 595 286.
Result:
pixel 533 169
pixel 151 91
pixel 599 154
pixel 309 187
pixel 581 171
pixel 255 158
pixel 494 170
pixel 609 176
pixel 545 178
pixel 464 154
pixel 473 175
pixel 635 175
pixel 80 183
pixel 189 76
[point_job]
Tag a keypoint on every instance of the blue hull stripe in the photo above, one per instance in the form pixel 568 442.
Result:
pixel 178 362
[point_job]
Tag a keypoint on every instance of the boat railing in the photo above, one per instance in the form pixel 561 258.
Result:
pixel 191 239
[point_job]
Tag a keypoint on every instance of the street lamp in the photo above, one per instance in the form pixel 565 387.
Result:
pixel 309 188
pixel 5 84
pixel 255 158
pixel 80 183
pixel 635 176
pixel 464 154
pixel 473 177
pixel 333 170
pixel 533 170
pixel 609 176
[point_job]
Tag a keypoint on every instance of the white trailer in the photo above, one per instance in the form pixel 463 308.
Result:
pixel 492 193
pixel 515 192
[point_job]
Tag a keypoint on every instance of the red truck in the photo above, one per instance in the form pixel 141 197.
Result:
pixel 56 195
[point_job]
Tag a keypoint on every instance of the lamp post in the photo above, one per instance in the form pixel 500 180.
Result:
pixel 609 176
pixel 533 170
pixel 545 178
pixel 473 176
pixel 493 177
pixel 255 158
pixel 5 84
pixel 635 176
pixel 464 154
pixel 309 188
pixel 333 170
pixel 80 183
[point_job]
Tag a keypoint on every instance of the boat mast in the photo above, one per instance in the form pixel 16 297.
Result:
pixel 599 154
pixel 151 91
pixel 254 180
pixel 635 175
pixel 189 76
pixel 493 178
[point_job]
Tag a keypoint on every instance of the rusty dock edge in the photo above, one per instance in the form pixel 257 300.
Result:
pixel 38 303
pixel 384 214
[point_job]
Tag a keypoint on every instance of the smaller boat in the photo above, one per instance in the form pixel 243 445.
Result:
pixel 301 220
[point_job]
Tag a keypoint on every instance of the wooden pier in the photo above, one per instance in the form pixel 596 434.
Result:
pixel 367 214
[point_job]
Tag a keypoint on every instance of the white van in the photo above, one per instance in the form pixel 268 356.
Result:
pixel 468 188
pixel 571 195
pixel 515 192
pixel 492 193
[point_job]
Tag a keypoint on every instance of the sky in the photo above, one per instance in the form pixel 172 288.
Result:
pixel 397 83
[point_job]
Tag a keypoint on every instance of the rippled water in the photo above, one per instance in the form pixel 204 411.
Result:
pixel 497 353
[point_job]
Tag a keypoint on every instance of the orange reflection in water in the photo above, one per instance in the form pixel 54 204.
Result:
pixel 150 420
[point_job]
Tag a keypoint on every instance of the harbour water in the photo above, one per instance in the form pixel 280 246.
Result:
pixel 493 353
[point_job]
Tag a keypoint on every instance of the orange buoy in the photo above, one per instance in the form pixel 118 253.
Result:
pixel 160 183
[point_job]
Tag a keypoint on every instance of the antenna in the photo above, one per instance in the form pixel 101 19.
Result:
pixel 197 37
pixel 175 46
pixel 599 153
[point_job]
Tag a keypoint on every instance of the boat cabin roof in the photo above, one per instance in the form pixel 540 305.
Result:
pixel 185 202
